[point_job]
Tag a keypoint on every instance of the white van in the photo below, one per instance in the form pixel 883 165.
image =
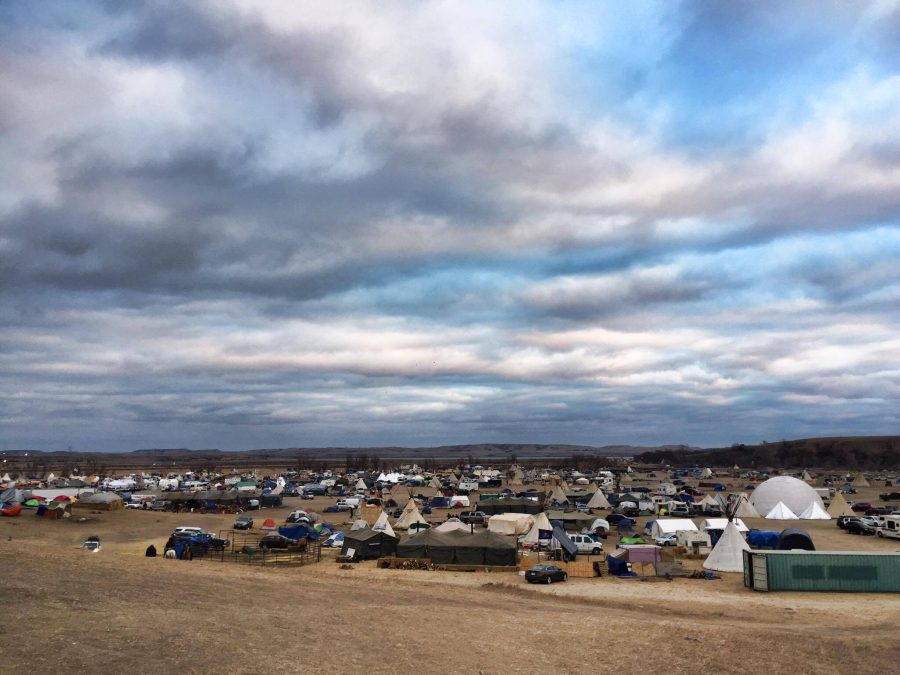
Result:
pixel 889 527
pixel 586 544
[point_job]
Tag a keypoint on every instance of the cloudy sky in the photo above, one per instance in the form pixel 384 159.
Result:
pixel 244 224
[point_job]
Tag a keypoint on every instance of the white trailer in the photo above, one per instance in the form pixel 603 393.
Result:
pixel 889 527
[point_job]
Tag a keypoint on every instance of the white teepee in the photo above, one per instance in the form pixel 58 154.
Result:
pixel 781 512
pixel 541 522
pixel 598 501
pixel 409 516
pixel 860 481
pixel 805 476
pixel 728 553
pixel 382 525
pixel 814 512
pixel 559 496
pixel 745 508
pixel 361 485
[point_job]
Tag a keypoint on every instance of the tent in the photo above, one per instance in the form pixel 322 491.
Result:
pixel 11 511
pixel 706 473
pixel 709 500
pixel 794 493
pixel 762 539
pixel 781 512
pixel 409 516
pixel 268 524
pixel 839 507
pixel 722 524
pixel 100 500
pixel 805 476
pixel 436 484
pixel 598 501
pixel 494 505
pixel 744 507
pixel 452 526
pixel 665 526
pixel 460 548
pixel 510 523
pixel 559 496
pixel 600 523
pixel 795 538
pixel 540 531
pixel 728 553
pixel 815 512
pixel 369 544
pixel 359 524
pixel 383 525
pixel 361 485
pixel 860 481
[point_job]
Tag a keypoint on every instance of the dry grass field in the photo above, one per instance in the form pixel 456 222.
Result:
pixel 70 611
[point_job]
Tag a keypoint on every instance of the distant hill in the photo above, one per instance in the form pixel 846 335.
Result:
pixel 844 452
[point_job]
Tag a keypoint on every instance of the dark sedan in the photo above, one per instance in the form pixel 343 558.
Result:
pixel 859 527
pixel 544 574
pixel 275 540
pixel 243 523
pixel 860 507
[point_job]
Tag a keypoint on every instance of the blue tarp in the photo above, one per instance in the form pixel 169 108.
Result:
pixel 439 503
pixel 301 531
pixel 762 539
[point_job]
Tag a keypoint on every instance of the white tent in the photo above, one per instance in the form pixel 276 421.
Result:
pixel 6 478
pixel 598 501
pixel 382 525
pixel 541 522
pixel 805 476
pixel 706 473
pixel 457 501
pixel 728 554
pixel 559 496
pixel 781 512
pixel 839 507
pixel 745 508
pixel 860 481
pixel 709 500
pixel 815 512
pixel 792 492
pixel 409 516
pixel 361 485
pixel 721 524
pixel 671 525
pixel 359 524
pixel 598 522
pixel 452 526
pixel 510 523
pixel 435 483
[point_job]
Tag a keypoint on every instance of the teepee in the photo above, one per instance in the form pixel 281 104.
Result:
pixel 744 508
pixel 806 476
pixel 409 516
pixel 728 553
pixel 361 485
pixel 382 525
pixel 814 512
pixel 839 507
pixel 781 512
pixel 559 496
pixel 533 536
pixel 860 481
pixel 436 484
pixel 599 501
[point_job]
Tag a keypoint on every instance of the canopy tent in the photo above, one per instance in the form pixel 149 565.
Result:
pixel 722 523
pixel 839 507
pixel 665 526
pixel 510 523
pixel 369 544
pixel 728 554
pixel 781 512
pixel 815 512
pixel 599 501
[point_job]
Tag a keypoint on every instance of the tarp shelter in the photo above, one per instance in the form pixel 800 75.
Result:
pixel 665 526
pixel 369 544
pixel 460 548
pixel 815 512
pixel 598 501
pixel 567 545
pixel 795 538
pixel 781 512
pixel 839 507
pixel 728 554
pixel 510 523
pixel 721 524
pixel 762 539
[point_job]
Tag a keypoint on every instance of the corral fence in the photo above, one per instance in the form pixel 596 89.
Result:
pixel 244 549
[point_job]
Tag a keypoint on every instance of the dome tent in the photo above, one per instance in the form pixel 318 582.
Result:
pixel 793 493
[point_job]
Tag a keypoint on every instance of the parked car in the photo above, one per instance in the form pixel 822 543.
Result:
pixel 842 521
pixel 586 544
pixel 889 496
pixel 544 574
pixel 473 517
pixel 243 523
pixel 860 507
pixel 133 505
pixel 859 527
pixel 878 511
pixel 667 540
pixel 276 540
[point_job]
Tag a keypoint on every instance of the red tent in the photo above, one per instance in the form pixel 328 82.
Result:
pixel 11 511
pixel 269 524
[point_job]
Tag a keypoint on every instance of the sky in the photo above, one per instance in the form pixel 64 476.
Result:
pixel 241 224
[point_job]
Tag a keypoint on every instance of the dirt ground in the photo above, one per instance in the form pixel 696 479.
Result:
pixel 69 611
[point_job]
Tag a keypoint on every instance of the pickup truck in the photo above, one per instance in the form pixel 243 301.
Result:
pixel 889 496
pixel 473 517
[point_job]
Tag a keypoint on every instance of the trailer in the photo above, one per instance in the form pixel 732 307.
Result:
pixel 889 527
pixel 823 571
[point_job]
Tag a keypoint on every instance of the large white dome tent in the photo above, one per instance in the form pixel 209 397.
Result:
pixel 792 492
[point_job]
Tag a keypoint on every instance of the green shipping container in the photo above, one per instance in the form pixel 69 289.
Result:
pixel 824 571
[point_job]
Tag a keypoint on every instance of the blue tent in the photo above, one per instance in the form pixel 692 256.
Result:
pixel 763 539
